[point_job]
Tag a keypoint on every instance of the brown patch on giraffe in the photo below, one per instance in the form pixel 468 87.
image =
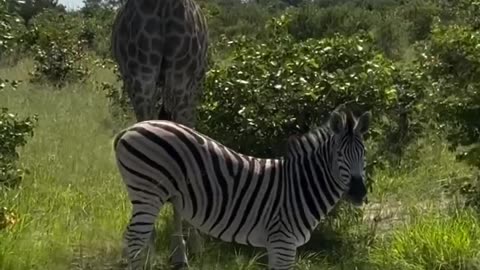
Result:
pixel 154 59
pixel 132 50
pixel 148 7
pixel 171 44
pixel 143 42
pixel 136 23
pixel 142 57
pixel 157 45
pixel 194 45
pixel 167 64
pixel 184 49
pixel 178 10
pixel 183 61
pixel 146 69
pixel 178 77
pixel 162 9
pixel 132 67
pixel 192 66
pixel 123 52
pixel 124 27
pixel 174 26
pixel 153 26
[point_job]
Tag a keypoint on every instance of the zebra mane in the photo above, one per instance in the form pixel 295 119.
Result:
pixel 314 138
pixel 311 140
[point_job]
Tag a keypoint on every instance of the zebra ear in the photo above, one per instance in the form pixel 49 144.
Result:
pixel 336 122
pixel 363 123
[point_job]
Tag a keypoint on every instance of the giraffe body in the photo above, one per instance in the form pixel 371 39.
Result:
pixel 160 47
pixel 161 51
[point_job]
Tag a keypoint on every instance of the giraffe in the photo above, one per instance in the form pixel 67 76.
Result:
pixel 160 47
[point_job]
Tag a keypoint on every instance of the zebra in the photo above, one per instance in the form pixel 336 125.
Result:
pixel 269 203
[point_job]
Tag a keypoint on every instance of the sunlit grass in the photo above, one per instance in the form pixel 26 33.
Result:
pixel 432 241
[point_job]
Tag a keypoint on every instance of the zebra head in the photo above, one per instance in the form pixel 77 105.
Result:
pixel 350 152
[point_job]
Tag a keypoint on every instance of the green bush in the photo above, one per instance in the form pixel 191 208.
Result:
pixel 233 19
pixel 467 12
pixel 96 31
pixel 13 134
pixel 7 31
pixel 420 14
pixel 7 41
pixel 393 24
pixel 59 64
pixel 452 59
pixel 391 35
pixel 58 47
pixel 274 89
pixel 311 21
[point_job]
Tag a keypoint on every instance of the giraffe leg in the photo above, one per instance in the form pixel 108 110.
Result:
pixel 143 96
pixel 185 113
pixel 182 110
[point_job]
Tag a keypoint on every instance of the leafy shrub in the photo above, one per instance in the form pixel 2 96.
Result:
pixel 13 133
pixel 283 87
pixel 420 15
pixel 119 102
pixel 7 41
pixel 28 9
pixel 394 25
pixel 8 30
pixel 391 35
pixel 467 12
pixel 452 59
pixel 59 64
pixel 5 27
pixel 310 21
pixel 96 27
pixel 58 48
pixel 234 18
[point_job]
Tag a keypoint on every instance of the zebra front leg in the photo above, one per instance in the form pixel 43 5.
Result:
pixel 138 232
pixel 178 255
pixel 281 255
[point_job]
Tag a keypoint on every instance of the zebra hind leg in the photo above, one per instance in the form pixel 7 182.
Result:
pixel 195 241
pixel 178 255
pixel 281 255
pixel 138 235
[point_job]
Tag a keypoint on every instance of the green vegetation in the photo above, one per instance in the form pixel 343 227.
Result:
pixel 277 68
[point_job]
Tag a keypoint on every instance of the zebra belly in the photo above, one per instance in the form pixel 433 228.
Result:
pixel 246 234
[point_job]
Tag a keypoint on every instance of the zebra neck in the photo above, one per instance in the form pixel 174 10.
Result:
pixel 311 188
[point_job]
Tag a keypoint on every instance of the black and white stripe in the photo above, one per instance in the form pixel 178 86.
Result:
pixel 271 203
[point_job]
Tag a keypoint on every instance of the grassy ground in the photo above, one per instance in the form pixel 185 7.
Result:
pixel 73 209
